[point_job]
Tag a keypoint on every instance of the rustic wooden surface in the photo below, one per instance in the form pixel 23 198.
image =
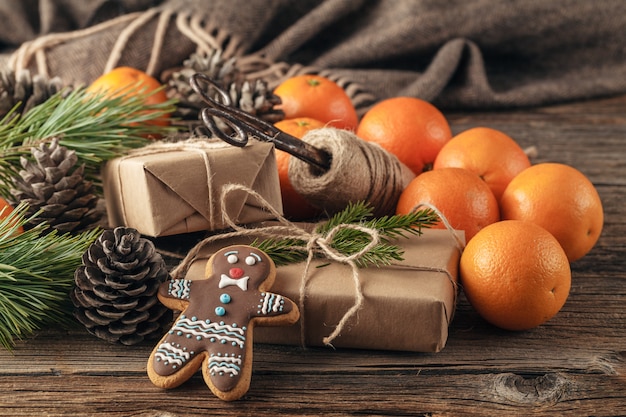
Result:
pixel 574 365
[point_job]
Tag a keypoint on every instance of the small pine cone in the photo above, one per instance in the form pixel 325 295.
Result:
pixel 223 71
pixel 25 89
pixel 255 98
pixel 116 288
pixel 67 200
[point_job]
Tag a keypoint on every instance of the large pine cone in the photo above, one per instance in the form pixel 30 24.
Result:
pixel 116 288
pixel 213 65
pixel 251 96
pixel 68 201
pixel 23 89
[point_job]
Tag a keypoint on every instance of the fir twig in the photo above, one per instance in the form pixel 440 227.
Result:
pixel 36 275
pixel 349 241
pixel 96 126
pixel 282 251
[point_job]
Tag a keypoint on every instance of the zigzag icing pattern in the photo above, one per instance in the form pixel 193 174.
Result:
pixel 224 365
pixel 271 303
pixel 204 329
pixel 171 354
pixel 179 288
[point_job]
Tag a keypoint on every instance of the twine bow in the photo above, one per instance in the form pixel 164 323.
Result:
pixel 324 244
pixel 317 244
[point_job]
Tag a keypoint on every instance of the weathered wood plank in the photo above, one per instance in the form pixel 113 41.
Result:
pixel 573 365
pixel 415 392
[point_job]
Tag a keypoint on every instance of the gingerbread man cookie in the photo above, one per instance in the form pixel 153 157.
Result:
pixel 215 328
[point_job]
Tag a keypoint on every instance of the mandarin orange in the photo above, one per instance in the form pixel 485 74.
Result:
pixel 129 81
pixel 5 211
pixel 319 98
pixel 488 152
pixel 460 195
pixel 515 274
pixel 410 128
pixel 562 200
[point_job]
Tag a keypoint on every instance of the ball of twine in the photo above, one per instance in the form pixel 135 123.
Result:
pixel 359 171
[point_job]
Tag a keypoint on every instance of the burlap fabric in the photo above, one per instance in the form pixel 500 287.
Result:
pixel 457 53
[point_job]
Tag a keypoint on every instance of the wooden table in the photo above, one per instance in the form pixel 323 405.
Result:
pixel 573 365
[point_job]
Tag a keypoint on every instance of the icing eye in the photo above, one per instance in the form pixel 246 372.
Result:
pixel 250 260
pixel 232 259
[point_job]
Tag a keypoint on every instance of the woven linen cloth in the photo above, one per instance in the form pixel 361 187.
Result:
pixel 458 54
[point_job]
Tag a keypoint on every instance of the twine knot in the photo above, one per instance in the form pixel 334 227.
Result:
pixel 324 243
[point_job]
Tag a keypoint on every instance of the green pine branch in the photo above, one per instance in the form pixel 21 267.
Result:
pixel 349 241
pixel 96 127
pixel 36 276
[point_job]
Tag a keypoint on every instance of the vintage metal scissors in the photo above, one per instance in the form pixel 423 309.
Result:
pixel 245 125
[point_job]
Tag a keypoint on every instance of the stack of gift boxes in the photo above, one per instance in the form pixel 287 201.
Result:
pixel 406 306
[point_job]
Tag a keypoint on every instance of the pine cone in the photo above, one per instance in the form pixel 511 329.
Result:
pixel 116 288
pixel 223 71
pixel 67 199
pixel 256 98
pixel 25 89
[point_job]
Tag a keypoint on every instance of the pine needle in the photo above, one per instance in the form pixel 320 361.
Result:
pixel 36 276
pixel 97 127
pixel 36 268
pixel 349 241
pixel 282 251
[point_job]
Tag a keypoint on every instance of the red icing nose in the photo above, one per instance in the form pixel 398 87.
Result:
pixel 235 272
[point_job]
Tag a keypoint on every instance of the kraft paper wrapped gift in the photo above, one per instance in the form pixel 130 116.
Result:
pixel 406 307
pixel 175 188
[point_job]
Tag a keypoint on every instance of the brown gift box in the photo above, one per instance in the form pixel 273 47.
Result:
pixel 175 188
pixel 406 307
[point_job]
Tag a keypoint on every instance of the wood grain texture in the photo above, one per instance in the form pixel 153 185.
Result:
pixel 571 366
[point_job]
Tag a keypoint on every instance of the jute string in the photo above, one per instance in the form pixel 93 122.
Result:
pixel 458 240
pixel 316 245
pixel 360 171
